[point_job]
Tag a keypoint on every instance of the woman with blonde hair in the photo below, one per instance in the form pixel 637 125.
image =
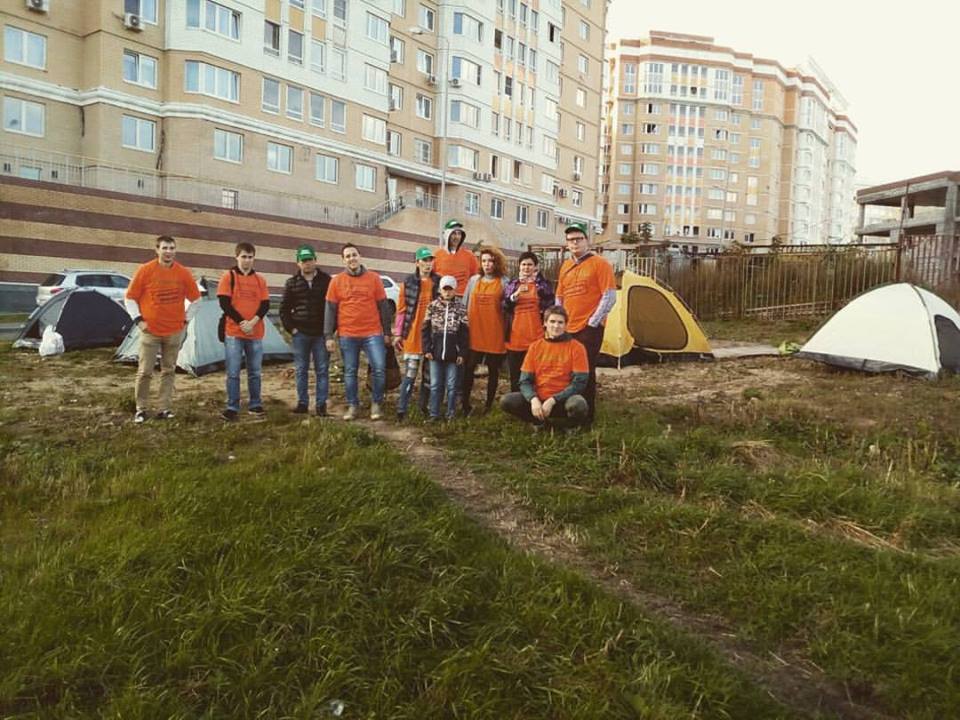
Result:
pixel 485 319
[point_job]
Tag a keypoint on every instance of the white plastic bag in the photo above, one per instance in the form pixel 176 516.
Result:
pixel 51 343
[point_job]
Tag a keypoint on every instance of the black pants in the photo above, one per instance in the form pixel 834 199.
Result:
pixel 570 413
pixel 494 363
pixel 514 363
pixel 592 339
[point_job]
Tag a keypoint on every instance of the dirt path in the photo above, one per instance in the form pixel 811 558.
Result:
pixel 795 682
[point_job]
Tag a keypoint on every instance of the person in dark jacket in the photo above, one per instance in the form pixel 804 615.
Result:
pixel 524 301
pixel 445 344
pixel 417 291
pixel 301 312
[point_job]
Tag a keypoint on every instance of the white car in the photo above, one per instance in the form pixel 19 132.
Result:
pixel 112 284
pixel 392 288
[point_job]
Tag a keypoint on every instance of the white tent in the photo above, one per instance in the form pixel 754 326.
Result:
pixel 894 327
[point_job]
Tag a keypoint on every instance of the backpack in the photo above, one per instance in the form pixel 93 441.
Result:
pixel 222 325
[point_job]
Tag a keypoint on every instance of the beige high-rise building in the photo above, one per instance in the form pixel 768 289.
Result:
pixel 368 107
pixel 704 145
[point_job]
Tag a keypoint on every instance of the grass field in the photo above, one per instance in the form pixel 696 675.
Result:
pixel 272 568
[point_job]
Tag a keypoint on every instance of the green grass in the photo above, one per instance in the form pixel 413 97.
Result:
pixel 822 517
pixel 192 569
pixel 771 332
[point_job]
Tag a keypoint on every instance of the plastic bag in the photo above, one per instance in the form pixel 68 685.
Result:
pixel 51 343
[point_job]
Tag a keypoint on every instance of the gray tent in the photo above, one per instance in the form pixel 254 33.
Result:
pixel 84 318
pixel 202 352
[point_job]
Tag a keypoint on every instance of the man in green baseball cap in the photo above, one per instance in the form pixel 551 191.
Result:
pixel 454 259
pixel 302 314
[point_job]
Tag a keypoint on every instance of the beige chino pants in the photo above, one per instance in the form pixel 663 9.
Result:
pixel 169 347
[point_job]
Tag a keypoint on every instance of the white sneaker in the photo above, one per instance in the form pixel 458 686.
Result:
pixel 351 413
pixel 375 413
pixel 140 417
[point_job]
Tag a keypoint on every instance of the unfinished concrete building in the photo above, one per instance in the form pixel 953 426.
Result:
pixel 915 207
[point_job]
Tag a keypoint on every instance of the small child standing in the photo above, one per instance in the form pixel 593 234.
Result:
pixel 445 345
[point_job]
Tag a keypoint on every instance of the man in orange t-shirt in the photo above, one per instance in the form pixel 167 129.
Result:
pixel 155 300
pixel 587 288
pixel 552 379
pixel 245 301
pixel 359 313
pixel 454 259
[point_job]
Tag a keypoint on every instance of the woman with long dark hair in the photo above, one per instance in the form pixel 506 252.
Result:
pixel 524 301
pixel 483 299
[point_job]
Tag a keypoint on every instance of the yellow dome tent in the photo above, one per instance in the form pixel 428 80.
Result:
pixel 650 321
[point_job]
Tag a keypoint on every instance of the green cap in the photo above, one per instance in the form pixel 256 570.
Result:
pixel 453 225
pixel 424 253
pixel 576 227
pixel 305 252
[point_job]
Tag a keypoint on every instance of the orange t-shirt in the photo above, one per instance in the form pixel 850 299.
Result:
pixel 356 297
pixel 581 286
pixel 248 292
pixel 485 317
pixel 462 264
pixel 413 343
pixel 527 325
pixel 553 365
pixel 160 292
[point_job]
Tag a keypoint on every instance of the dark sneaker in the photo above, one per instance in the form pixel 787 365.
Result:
pixel 140 417
pixel 258 410
pixel 301 410
pixel 165 415
pixel 229 415
pixel 401 417
pixel 322 410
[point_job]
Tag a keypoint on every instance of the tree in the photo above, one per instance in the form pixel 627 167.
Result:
pixel 646 232
pixel 630 238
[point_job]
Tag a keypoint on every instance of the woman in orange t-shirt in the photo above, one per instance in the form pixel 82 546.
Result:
pixel 524 301
pixel 483 299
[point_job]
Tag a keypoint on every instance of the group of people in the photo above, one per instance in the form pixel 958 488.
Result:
pixel 455 311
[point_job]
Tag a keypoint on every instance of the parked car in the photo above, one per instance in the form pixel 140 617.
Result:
pixel 392 289
pixel 112 284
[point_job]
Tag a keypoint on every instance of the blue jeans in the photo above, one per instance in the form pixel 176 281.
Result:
pixel 376 353
pixel 306 347
pixel 411 366
pixel 236 350
pixel 443 376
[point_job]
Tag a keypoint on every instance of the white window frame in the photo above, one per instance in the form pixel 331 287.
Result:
pixel 295 59
pixel 23 39
pixel 317 119
pixel 373 129
pixel 322 166
pixel 423 151
pixel 378 29
pixel 231 77
pixel 335 106
pixel 318 56
pixel 274 148
pixel 360 171
pixel 424 106
pixel 23 107
pixel 228 139
pixel 426 18
pixel 471 203
pixel 139 124
pixel 139 60
pixel 140 7
pixel 263 96
pixel 216 18
pixel 496 208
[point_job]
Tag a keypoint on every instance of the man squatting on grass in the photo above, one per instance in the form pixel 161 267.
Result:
pixel 552 379
pixel 359 313
pixel 301 312
pixel 155 301
pixel 587 289
pixel 245 301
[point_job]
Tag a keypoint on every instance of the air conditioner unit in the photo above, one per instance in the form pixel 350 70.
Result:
pixel 431 79
pixel 478 176
pixel 394 56
pixel 487 177
pixel 455 82
pixel 576 177
pixel 132 21
pixel 38 5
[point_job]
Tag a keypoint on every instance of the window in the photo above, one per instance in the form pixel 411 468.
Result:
pixel 755 124
pixel 578 164
pixel 648 189
pixel 649 169
pixel 464 113
pixel 139 69
pixel 426 18
pixel 279 158
pixel 340 12
pixel 227 146
pixel 374 129
pixel 576 196
pixel 338 63
pixel 758 94
pixel 375 79
pixel 24 48
pixel 464 69
pixel 553 72
pixel 495 123
pixel 424 62
pixel 582 64
pixel 508 86
pixel 271 38
pixel 295 47
pixel 212 80
pixel 214 17
pixel 146 9
pixel 328 169
pixel 424 107
pixel 581 97
pixel 294 102
pixel 318 104
pixel 651 129
pixel 229 199
pixel 522 211
pixel 271 96
pixel 318 56
pixel 319 7
pixel 394 142
pixel 463 157
pixel 139 134
pixel 496 208
pixel 543 218
pixel 396 97
pixel 584 30
pixel 338 116
pixel 736 95
pixel 581 131
pixel 397 50
pixel 22 116
pixel 378 29
pixel 423 151
pixel 365 178
pixel 471 203
pixel 721 84
pixel 297 3
pixel 468 26
pixel 399 7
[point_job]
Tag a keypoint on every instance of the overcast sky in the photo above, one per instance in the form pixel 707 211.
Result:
pixel 895 63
